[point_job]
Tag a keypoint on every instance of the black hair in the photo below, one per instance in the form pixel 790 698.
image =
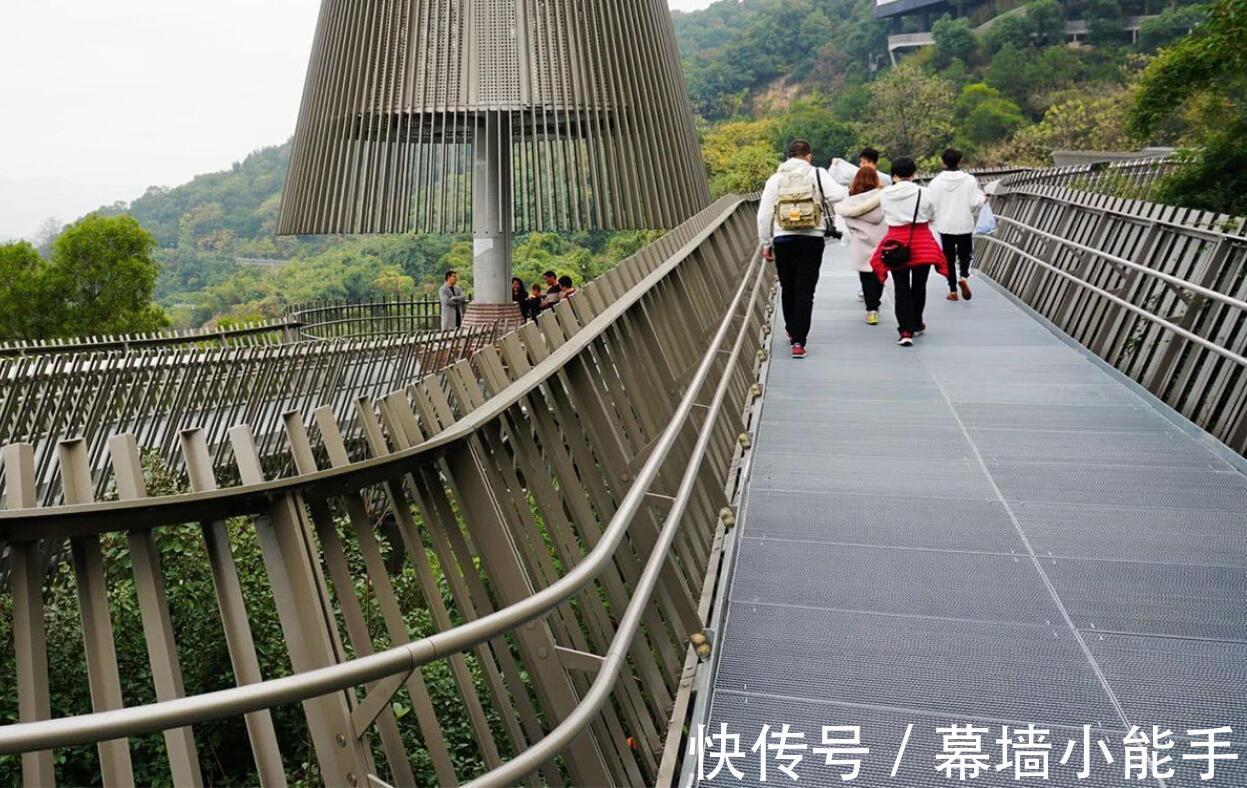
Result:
pixel 869 154
pixel 952 158
pixel 798 148
pixel 903 167
pixel 449 274
pixel 549 274
pixel 565 281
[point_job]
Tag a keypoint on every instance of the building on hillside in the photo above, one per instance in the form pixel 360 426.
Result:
pixel 911 20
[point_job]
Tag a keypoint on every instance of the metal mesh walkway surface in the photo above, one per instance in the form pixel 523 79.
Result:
pixel 986 529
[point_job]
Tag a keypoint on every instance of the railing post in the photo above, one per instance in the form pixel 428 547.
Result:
pixel 480 509
pixel 97 625
pixel 30 640
pixel 234 620
pixel 309 629
pixel 149 586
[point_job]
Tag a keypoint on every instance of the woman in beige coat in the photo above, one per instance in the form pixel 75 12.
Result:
pixel 864 219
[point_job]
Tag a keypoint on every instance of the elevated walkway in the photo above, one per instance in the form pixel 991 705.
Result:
pixel 988 528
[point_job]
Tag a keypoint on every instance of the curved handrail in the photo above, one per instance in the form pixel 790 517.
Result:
pixel 151 718
pixel 1143 269
pixel 1180 331
pixel 403 659
pixel 102 517
pixel 99 344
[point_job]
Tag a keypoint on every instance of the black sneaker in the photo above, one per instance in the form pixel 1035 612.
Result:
pixel 905 341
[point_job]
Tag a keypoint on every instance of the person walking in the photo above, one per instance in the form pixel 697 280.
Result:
pixel 956 196
pixel 908 250
pixel 863 217
pixel 794 221
pixel 452 300
pixel 843 172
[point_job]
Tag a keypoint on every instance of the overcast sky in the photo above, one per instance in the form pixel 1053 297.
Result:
pixel 100 99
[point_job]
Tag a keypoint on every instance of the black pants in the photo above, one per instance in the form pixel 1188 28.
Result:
pixel 910 294
pixel 872 288
pixel 959 252
pixel 798 259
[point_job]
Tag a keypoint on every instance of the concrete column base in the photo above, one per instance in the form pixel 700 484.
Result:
pixel 506 316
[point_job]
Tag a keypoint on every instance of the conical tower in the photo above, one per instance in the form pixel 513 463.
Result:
pixel 495 116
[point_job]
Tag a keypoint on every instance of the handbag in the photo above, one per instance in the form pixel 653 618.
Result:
pixel 896 255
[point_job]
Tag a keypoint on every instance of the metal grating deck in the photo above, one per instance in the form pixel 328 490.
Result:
pixel 987 528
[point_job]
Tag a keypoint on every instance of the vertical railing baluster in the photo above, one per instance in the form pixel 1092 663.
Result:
pixel 30 639
pixel 234 618
pixel 97 625
pixel 154 610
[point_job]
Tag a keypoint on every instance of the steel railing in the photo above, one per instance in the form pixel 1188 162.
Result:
pixel 564 487
pixel 351 320
pixel 1161 300
pixel 259 333
pixel 157 392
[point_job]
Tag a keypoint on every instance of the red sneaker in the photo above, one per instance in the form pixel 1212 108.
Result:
pixel 798 350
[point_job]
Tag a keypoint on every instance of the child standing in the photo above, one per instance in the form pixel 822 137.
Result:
pixel 956 195
pixel 908 211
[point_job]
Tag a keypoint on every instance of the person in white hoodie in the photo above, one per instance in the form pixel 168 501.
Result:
pixel 908 210
pixel 863 218
pixel 843 172
pixel 794 219
pixel 956 195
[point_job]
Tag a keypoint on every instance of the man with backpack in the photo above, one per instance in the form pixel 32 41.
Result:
pixel 794 221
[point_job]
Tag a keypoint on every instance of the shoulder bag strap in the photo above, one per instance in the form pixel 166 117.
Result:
pixel 818 178
pixel 917 203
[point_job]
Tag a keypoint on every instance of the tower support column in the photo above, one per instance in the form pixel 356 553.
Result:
pixel 492 221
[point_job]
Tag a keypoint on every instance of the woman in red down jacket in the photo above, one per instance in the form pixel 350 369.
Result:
pixel 908 211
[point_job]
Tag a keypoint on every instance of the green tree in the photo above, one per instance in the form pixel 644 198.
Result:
pixel 1105 19
pixel 953 38
pixel 985 116
pixel 739 156
pixel 1047 21
pixel 1171 25
pixel 393 283
pixel 99 280
pixel 29 310
pixel 1207 69
pixel 912 114
pixel 1082 123
pixel 103 269
pixel 811 120
pixel 1015 30
pixel 1010 73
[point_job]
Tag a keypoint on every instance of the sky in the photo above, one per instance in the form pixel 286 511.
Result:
pixel 100 99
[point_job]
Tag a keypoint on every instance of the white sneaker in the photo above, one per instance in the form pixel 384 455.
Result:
pixel 861 296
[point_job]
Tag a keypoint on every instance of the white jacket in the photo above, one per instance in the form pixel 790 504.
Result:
pixel 843 172
pixel 767 227
pixel 897 202
pixel 956 195
pixel 864 219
